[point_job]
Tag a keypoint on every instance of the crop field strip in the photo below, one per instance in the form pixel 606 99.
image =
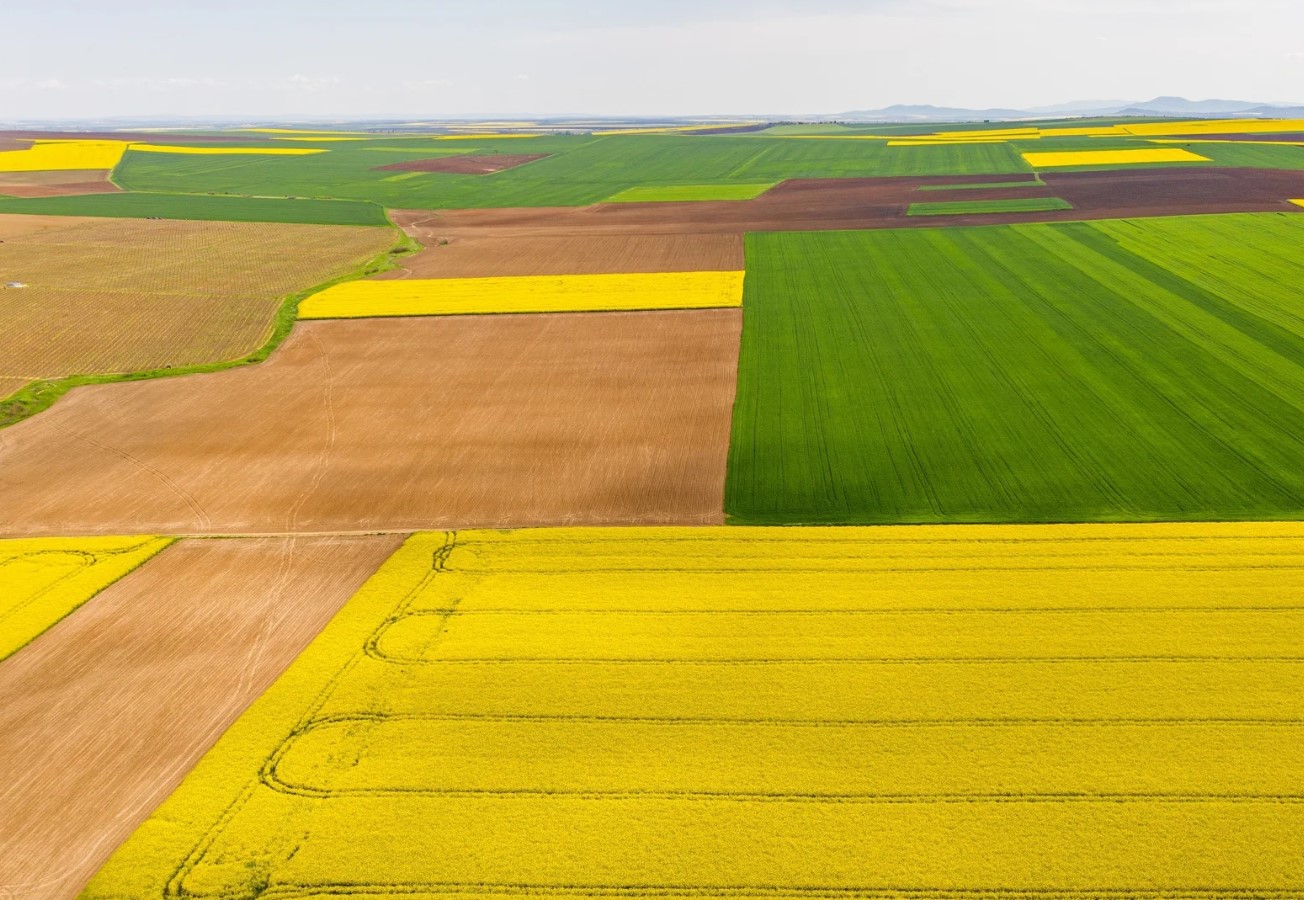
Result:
pixel 120 699
pixel 889 376
pixel 353 425
pixel 529 294
pixel 984 207
pixel 44 579
pixel 617 711
pixel 843 204
pixel 690 192
pixel 114 296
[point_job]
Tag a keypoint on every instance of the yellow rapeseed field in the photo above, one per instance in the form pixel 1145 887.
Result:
pixel 1298 202
pixel 1109 157
pixel 224 151
pixel 525 294
pixel 59 155
pixel 886 712
pixel 44 579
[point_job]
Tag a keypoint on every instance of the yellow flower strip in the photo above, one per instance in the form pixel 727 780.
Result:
pixel 1109 157
pixel 44 579
pixel 527 294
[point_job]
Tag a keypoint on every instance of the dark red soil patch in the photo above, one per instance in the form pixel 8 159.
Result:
pixel 480 164
pixel 845 203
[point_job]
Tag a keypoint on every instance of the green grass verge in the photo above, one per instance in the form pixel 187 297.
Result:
pixel 39 396
pixel 977 207
pixel 683 192
pixel 1125 370
pixel 202 207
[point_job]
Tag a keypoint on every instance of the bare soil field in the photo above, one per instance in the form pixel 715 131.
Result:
pixel 597 418
pixel 560 254
pixel 118 295
pixel 468 164
pixel 14 227
pixel 7 143
pixel 102 716
pixel 831 204
pixel 57 183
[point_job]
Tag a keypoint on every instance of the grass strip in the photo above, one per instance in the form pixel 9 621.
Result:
pixel 980 207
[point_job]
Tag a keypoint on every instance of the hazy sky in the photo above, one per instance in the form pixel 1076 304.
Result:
pixel 417 58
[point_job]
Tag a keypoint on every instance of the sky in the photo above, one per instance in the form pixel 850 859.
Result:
pixel 68 59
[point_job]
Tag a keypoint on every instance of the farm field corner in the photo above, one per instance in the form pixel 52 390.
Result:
pixel 1110 370
pixel 909 711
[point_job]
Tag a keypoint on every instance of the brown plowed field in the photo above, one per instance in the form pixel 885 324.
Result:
pixel 12 144
pixel 826 204
pixel 468 164
pixel 116 295
pixel 102 716
pixel 56 183
pixel 398 423
pixel 561 254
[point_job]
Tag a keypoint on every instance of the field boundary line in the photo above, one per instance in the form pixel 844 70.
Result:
pixel 40 395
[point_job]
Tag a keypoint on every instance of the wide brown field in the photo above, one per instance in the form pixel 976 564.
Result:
pixel 56 183
pixel 831 204
pixel 560 254
pixel 102 716
pixel 594 418
pixel 119 295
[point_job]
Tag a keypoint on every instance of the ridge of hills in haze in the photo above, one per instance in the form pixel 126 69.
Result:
pixel 1160 106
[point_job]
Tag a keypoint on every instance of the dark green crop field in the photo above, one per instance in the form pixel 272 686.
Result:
pixel 200 206
pixel 1119 370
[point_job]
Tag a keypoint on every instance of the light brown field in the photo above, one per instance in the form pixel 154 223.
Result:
pixel 13 227
pixel 102 716
pixel 119 295
pixel 474 256
pixel 398 424
pixel 56 183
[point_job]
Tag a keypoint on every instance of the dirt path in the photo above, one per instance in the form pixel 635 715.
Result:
pixel 102 716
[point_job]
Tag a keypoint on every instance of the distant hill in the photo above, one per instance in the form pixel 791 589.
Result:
pixel 1158 107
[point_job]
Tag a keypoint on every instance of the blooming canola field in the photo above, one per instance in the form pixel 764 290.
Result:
pixel 722 712
pixel 526 294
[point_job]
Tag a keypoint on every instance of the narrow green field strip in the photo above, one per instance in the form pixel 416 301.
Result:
pixel 203 207
pixel 978 186
pixel 978 207
pixel 1123 370
pixel 682 192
